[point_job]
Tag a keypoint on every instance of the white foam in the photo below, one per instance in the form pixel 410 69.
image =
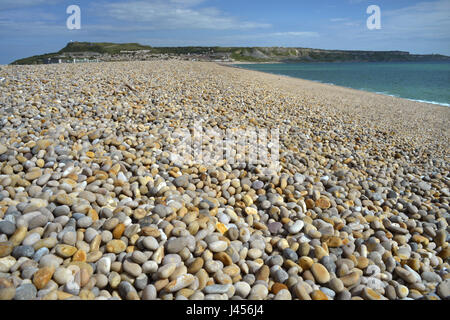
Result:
pixel 432 102
pixel 417 100
pixel 362 89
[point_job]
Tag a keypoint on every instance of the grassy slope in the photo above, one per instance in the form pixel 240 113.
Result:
pixel 240 53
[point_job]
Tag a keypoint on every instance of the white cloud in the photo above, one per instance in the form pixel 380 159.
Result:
pixel 36 22
pixel 175 14
pixel 423 20
pixel 280 39
pixel 17 4
pixel 307 34
pixel 338 19
pixel 429 20
pixel 418 28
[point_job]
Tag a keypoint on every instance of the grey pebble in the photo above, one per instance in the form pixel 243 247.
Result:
pixel 149 293
pixel 84 222
pixel 26 291
pixel 443 289
pixel 160 210
pixel 280 276
pixel 63 210
pixel 72 287
pixel 23 251
pixel 181 181
pixel 7 227
pixel 217 288
pixel 40 253
pixel 431 276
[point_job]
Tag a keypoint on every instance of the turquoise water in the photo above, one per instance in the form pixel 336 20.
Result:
pixel 420 81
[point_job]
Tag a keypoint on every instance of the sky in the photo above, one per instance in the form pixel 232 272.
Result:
pixel 30 27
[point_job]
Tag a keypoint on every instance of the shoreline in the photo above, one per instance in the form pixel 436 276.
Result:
pixel 332 84
pixel 95 203
pixel 368 108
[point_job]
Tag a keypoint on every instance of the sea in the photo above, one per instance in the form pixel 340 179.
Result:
pixel 419 81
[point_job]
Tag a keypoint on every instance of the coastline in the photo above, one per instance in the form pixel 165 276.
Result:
pixel 249 62
pixel 236 65
pixel 92 161
pixel 406 117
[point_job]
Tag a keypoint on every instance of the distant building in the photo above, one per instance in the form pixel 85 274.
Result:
pixel 53 60
pixel 84 60
pixel 69 60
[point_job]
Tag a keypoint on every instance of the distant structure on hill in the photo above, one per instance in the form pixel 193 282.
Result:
pixel 103 51
pixel 69 60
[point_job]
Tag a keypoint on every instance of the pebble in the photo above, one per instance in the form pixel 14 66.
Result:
pixel 431 277
pixel 40 253
pixel 72 287
pixel 150 243
pixel 217 288
pixel 149 293
pixel 50 260
pixel 139 257
pixel 132 268
pixel 370 294
pixel 115 246
pixel 258 292
pixel 296 227
pixel 104 265
pixel 160 210
pixel 218 246
pixel 7 293
pixel 181 181
pixel 6 248
pixel 336 285
pixel 350 279
pixel 127 291
pixel 405 275
pixel 274 227
pixel 65 251
pixel 319 295
pixel 320 273
pixel 6 263
pixel 42 277
pixel 176 245
pixel 149 267
pixel 280 276
pixel 62 275
pixel 301 292
pixel 283 295
pixel 49 242
pixel 63 210
pixel 7 228
pixel 443 289
pixel 26 291
pixel 242 289
pixel 23 251
pixel 97 207
pixel 64 199
pixel 84 222
pixel 165 271
pixel 31 239
pixel 402 291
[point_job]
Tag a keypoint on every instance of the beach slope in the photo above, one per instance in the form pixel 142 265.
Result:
pixel 97 203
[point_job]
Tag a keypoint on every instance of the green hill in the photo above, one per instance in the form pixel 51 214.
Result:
pixel 102 47
pixel 247 54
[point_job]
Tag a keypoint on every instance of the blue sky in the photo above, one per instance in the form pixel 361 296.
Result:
pixel 29 27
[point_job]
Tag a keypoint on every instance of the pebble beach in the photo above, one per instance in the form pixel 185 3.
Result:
pixel 93 207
